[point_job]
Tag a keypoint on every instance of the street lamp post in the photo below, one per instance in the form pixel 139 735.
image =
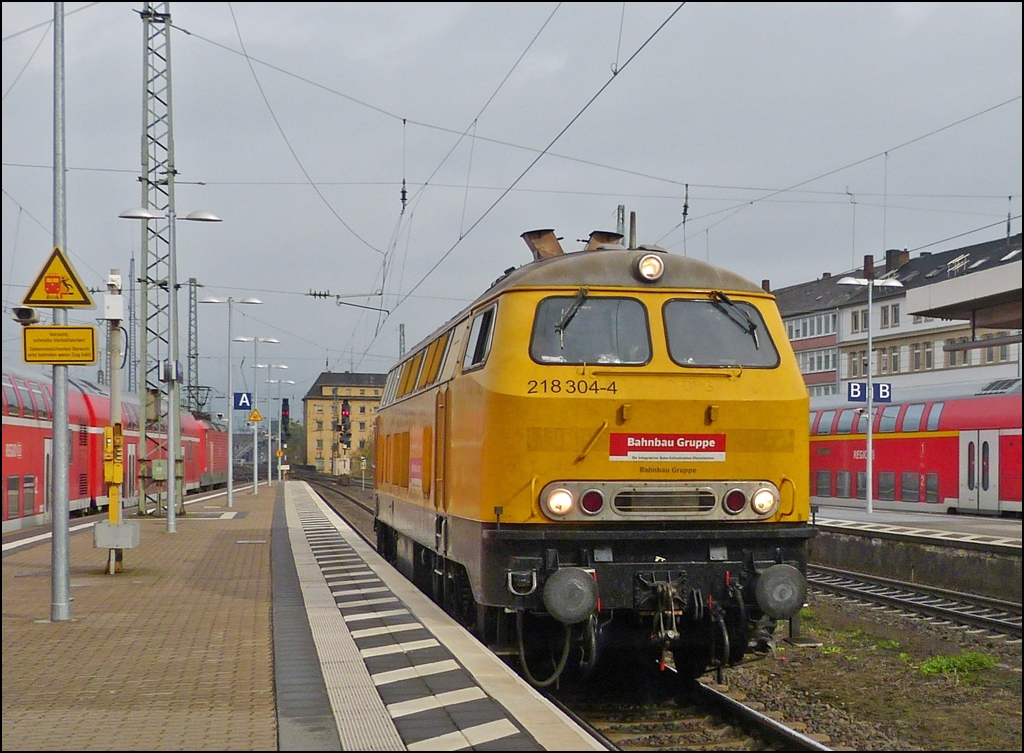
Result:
pixel 231 393
pixel 255 404
pixel 270 416
pixel 279 382
pixel 871 283
pixel 171 373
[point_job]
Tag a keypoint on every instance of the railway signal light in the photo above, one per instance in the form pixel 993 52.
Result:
pixel 285 416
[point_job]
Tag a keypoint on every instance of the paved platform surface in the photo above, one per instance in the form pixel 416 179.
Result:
pixel 265 626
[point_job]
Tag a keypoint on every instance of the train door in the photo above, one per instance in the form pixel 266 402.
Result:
pixel 47 478
pixel 979 471
pixel 129 490
pixel 439 470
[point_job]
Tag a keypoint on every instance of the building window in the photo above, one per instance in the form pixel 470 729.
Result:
pixel 884 318
pixel 915 351
pixel 319 445
pixel 895 315
pixel 894 359
pixel 928 362
pixel 854 364
pixel 864 362
pixel 319 425
pixel 855 321
pixel 883 357
pixel 362 426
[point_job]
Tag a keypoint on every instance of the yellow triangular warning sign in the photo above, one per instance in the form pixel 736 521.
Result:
pixel 58 286
pixel 255 416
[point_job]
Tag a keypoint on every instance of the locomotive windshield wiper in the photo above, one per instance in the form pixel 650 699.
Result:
pixel 734 313
pixel 571 311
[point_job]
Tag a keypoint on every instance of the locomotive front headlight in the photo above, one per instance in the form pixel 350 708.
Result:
pixel 650 267
pixel 763 501
pixel 559 502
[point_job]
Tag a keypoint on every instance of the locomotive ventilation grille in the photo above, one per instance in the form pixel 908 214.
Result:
pixel 656 501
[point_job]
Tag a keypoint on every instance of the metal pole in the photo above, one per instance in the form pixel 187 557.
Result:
pixel 114 564
pixel 871 318
pixel 171 374
pixel 270 420
pixel 255 424
pixel 231 414
pixel 280 406
pixel 60 562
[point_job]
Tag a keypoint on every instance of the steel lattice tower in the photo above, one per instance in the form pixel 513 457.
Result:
pixel 157 181
pixel 195 395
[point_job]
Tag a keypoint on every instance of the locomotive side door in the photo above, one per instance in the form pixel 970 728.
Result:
pixel 979 471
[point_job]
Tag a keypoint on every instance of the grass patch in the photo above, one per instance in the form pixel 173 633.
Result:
pixel 962 664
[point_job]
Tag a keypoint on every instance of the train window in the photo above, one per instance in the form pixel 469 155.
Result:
pixel 432 365
pixel 846 421
pixel 825 424
pixel 910 486
pixel 934 415
pixel 984 466
pixel 887 485
pixel 862 485
pixel 931 487
pixel 590 330
pixel 410 371
pixel 887 423
pixel 30 495
pixel 718 333
pixel 459 333
pixel 479 340
pixel 11 397
pixel 824 484
pixel 13 497
pixel 912 418
pixel 843 490
pixel 42 406
pixel 970 466
pixel 28 410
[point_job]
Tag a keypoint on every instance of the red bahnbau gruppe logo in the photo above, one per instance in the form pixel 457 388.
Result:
pixel 667 447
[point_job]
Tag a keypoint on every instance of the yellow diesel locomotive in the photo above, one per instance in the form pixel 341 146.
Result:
pixel 607 449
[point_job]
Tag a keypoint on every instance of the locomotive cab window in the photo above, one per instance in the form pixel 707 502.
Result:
pixel 479 340
pixel 584 329
pixel 718 332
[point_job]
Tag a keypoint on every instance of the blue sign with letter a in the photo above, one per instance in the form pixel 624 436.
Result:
pixel 243 401
pixel 857 392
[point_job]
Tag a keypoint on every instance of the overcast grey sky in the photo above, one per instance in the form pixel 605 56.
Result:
pixel 809 135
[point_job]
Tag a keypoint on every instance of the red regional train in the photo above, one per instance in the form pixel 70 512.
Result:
pixel 28 448
pixel 953 449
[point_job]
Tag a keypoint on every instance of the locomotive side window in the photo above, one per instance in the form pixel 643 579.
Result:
pixel 584 329
pixel 432 364
pixel 887 423
pixel 912 418
pixel 30 495
pixel 42 406
pixel 719 332
pixel 846 418
pixel 887 485
pixel 910 486
pixel 824 484
pixel 934 415
pixel 13 497
pixel 13 409
pixel 825 424
pixel 410 372
pixel 479 340
pixel 28 410
pixel 843 484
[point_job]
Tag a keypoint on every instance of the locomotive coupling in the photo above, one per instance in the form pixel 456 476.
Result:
pixel 570 595
pixel 780 591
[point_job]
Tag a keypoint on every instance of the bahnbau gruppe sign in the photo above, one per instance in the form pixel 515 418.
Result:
pixel 667 447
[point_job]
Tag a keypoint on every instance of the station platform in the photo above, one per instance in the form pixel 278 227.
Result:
pixel 269 625
pixel 963 531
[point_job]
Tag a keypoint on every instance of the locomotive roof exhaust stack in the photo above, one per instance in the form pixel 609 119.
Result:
pixel 600 238
pixel 543 243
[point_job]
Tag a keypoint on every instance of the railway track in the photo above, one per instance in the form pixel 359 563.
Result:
pixel 998 616
pixel 656 712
